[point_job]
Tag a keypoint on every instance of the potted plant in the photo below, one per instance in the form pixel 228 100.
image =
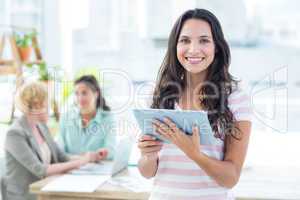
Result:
pixel 46 77
pixel 44 74
pixel 24 44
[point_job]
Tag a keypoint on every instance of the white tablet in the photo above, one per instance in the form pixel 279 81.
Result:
pixel 184 119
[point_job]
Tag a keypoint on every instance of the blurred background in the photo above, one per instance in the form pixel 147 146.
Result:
pixel 128 39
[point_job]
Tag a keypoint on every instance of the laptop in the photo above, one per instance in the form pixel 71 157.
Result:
pixel 119 162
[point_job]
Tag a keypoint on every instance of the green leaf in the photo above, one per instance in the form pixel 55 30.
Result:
pixel 24 39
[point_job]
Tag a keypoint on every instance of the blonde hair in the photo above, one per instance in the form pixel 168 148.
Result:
pixel 31 96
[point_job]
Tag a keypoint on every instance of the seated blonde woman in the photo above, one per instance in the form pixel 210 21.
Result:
pixel 31 153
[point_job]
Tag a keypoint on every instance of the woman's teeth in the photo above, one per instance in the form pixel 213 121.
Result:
pixel 194 60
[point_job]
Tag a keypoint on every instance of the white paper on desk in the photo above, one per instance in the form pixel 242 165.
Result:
pixel 102 168
pixel 133 184
pixel 75 183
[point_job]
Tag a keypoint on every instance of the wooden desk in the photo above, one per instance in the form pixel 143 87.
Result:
pixel 257 183
pixel 105 191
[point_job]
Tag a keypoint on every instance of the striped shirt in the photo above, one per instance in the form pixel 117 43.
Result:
pixel 180 178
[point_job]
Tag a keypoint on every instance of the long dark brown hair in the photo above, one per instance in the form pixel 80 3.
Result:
pixel 92 83
pixel 171 80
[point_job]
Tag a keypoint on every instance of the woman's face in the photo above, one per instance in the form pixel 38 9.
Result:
pixel 39 113
pixel 85 97
pixel 195 46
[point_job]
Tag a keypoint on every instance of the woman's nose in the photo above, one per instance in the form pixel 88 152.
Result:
pixel 79 98
pixel 194 47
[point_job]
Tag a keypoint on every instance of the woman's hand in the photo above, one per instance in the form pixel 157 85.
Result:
pixel 190 145
pixel 102 154
pixel 85 158
pixel 148 162
pixel 90 157
pixel 149 146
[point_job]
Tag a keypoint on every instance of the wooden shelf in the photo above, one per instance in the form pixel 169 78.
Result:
pixel 13 66
pixel 11 62
pixel 33 62
pixel 8 70
pixel 6 62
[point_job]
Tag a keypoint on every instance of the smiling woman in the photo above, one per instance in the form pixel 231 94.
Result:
pixel 194 76
pixel 195 49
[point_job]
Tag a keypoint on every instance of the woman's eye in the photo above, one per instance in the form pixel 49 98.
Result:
pixel 204 41
pixel 184 40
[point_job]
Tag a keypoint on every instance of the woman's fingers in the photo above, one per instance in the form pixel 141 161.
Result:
pixel 146 138
pixel 151 149
pixel 89 157
pixel 160 127
pixel 171 124
pixel 102 154
pixel 196 136
pixel 167 129
pixel 145 144
pixel 148 145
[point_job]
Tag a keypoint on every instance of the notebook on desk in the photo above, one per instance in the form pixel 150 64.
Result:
pixel 119 162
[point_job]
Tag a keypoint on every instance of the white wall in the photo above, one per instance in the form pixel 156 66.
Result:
pixel 52 33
